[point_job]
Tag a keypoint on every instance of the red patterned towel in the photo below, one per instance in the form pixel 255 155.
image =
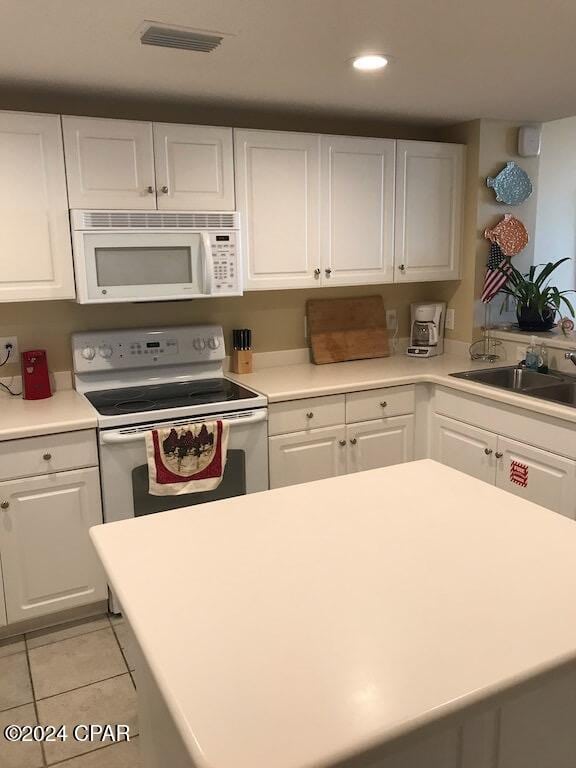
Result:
pixel 186 459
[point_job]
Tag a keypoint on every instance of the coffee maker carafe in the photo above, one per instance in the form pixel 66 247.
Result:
pixel 426 329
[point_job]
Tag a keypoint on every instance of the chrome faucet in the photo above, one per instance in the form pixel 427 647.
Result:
pixel 570 356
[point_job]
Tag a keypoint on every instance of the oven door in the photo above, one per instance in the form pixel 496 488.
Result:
pixel 142 266
pixel 124 468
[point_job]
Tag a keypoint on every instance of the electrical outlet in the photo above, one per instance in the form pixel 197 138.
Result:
pixel 391 319
pixel 450 319
pixel 9 346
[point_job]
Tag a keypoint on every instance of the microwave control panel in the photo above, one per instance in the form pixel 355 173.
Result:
pixel 225 254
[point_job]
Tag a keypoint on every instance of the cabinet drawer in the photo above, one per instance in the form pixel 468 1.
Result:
pixel 47 454
pixel 297 415
pixel 391 401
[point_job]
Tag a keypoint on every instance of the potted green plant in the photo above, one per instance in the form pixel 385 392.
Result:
pixel 537 302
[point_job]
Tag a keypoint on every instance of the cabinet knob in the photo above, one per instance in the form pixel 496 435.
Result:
pixel 328 271
pixel 164 189
pixel 402 268
pixel 4 505
pixel 498 454
pixel 353 441
pixel 309 415
pixel 383 404
pixel 47 456
pixel 317 272
pixel 488 451
pixel 342 442
pixel 150 189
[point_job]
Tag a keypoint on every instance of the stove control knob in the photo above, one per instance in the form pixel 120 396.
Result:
pixel 199 344
pixel 213 342
pixel 88 353
pixel 105 351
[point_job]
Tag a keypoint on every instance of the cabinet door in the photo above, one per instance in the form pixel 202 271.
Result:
pixel 357 210
pixel 194 167
pixel 109 163
pixel 380 443
pixel 429 190
pixel 277 188
pixel 48 560
pixel 536 475
pixel 35 233
pixel 304 456
pixel 3 620
pixel 468 449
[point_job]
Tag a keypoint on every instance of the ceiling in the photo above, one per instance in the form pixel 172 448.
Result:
pixel 452 60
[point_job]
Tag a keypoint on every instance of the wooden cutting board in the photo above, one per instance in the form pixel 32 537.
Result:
pixel 347 329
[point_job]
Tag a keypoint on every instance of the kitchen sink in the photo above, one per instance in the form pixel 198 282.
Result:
pixel 554 386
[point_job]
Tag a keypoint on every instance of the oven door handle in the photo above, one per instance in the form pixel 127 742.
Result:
pixel 116 438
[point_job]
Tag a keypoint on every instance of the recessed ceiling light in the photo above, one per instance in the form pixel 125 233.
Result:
pixel 370 63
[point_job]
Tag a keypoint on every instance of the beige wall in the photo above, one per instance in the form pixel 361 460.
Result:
pixel 491 144
pixel 276 317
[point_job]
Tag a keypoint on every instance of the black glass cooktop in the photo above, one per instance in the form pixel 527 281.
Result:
pixel 155 397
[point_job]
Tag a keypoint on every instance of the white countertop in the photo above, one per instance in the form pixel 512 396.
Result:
pixel 65 411
pixel 293 382
pixel 294 627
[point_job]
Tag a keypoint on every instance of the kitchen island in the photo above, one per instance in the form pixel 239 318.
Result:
pixel 406 617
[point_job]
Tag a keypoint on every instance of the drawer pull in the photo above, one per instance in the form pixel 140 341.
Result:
pixel 5 505
pixel 342 442
pixel 353 441
pixel 47 456
pixel 498 455
pixel 309 415
pixel 488 451
pixel 383 404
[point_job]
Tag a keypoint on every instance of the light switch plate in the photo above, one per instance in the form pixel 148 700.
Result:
pixel 4 349
pixel 450 319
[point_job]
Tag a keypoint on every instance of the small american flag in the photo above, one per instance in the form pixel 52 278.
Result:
pixel 495 279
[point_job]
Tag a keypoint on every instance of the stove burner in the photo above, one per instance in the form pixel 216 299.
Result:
pixel 156 397
pixel 130 406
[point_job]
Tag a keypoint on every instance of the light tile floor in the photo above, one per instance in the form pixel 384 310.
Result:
pixel 80 672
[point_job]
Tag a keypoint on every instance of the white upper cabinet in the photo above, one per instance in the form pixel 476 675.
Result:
pixel 357 210
pixel 194 167
pixel 109 163
pixel 429 190
pixel 277 188
pixel 35 232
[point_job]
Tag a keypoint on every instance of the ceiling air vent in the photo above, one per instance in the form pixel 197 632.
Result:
pixel 186 39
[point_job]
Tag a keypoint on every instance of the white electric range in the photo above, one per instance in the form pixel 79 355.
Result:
pixel 140 379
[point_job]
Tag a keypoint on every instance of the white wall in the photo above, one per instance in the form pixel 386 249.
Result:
pixel 556 213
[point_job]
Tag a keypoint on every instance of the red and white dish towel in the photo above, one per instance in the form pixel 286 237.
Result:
pixel 186 459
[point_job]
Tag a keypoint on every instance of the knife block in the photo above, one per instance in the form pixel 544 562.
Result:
pixel 241 361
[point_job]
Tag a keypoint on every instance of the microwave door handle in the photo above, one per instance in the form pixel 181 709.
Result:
pixel 208 263
pixel 116 438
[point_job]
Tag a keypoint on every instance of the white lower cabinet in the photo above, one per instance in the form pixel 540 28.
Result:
pixel 48 561
pixel 541 476
pixel 461 446
pixel 300 454
pixel 3 619
pixel 380 443
pixel 532 473
pixel 301 457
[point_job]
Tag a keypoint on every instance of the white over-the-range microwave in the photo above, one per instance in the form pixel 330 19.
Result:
pixel 155 255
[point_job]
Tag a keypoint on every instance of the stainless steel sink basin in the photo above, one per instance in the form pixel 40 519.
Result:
pixel 555 386
pixel 511 378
